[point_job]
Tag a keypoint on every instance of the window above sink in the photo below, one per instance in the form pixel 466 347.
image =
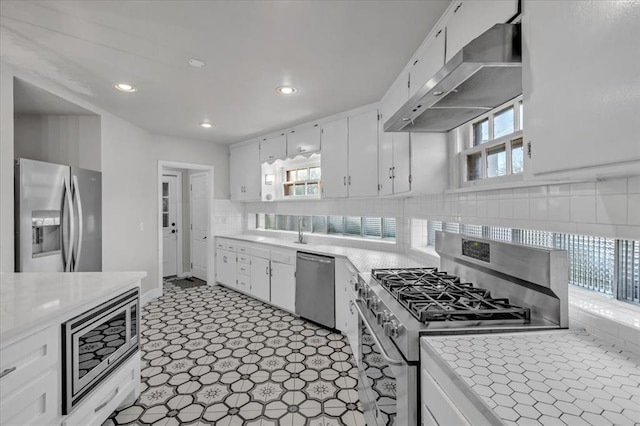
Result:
pixel 292 179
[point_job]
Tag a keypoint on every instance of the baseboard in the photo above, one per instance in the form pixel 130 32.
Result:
pixel 150 295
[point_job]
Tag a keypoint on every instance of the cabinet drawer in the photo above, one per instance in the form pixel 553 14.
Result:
pixel 288 258
pixel 244 283
pixel 230 246
pixel 244 269
pixel 244 258
pixel 243 249
pixel 33 404
pixel 221 244
pixel 109 396
pixel 261 252
pixel 25 359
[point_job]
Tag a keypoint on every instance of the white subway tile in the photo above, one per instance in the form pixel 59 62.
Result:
pixel 596 230
pixel 583 209
pixel 612 186
pixel 481 208
pixel 627 232
pixel 633 185
pixel 538 191
pixel 560 209
pixel 521 193
pixel 583 188
pixel 562 190
pixel 506 193
pixel 633 209
pixel 521 208
pixel 506 208
pixel 493 208
pixel 538 209
pixel 611 209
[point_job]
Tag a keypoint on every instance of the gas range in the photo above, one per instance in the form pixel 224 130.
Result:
pixel 482 286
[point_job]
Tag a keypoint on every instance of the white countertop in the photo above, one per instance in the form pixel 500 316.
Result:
pixel 542 378
pixel 31 300
pixel 363 259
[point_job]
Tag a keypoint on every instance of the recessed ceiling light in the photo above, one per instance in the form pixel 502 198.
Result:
pixel 196 63
pixel 206 125
pixel 286 90
pixel 124 87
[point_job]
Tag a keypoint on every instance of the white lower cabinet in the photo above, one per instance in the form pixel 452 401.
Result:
pixel 29 388
pixel 346 315
pixel 283 280
pixel 260 278
pixel 226 267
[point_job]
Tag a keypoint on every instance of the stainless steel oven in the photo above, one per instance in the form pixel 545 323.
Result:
pixel 388 382
pixel 95 343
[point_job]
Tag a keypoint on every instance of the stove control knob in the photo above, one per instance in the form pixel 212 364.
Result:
pixel 372 303
pixel 383 316
pixel 391 328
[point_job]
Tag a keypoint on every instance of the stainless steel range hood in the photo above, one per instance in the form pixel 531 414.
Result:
pixel 486 73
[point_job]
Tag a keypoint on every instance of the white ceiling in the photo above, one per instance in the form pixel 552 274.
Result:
pixel 29 99
pixel 339 54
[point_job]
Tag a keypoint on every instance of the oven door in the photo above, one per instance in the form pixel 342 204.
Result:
pixel 388 383
pixel 95 343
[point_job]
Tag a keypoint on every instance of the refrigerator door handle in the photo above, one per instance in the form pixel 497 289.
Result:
pixel 77 248
pixel 69 249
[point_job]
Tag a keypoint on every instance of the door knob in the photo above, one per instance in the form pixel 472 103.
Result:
pixel 204 238
pixel 173 224
pixel 173 231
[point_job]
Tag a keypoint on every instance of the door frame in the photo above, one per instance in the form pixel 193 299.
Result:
pixel 162 164
pixel 179 201
pixel 198 172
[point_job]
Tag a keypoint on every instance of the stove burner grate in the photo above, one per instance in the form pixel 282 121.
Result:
pixel 431 295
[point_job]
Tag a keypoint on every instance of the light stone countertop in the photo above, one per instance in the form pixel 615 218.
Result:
pixel 32 301
pixel 363 259
pixel 546 378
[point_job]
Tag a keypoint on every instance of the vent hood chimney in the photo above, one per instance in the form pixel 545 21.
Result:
pixel 486 73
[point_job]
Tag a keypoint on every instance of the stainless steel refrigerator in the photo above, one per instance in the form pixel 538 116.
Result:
pixel 58 219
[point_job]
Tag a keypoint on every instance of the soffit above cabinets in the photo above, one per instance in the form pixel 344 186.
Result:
pixel 339 55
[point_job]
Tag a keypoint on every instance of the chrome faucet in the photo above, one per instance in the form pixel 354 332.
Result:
pixel 300 232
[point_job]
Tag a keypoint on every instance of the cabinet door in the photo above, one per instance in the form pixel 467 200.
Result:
pixel 578 112
pixel 273 148
pixel 342 295
pixel 260 281
pixel 236 174
pixel 363 154
pixel 385 162
pixel 251 171
pixel 395 97
pixel 306 139
pixel 428 62
pixel 226 267
pixel 472 18
pixel 352 331
pixel 401 163
pixel 429 164
pixel 334 159
pixel 283 286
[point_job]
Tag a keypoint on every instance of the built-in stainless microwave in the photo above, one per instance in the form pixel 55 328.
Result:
pixel 95 343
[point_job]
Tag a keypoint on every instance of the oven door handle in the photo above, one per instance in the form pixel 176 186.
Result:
pixel 386 356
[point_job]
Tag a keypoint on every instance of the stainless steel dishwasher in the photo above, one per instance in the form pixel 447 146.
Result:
pixel 315 288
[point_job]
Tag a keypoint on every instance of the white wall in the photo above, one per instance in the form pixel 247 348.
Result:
pixel 72 140
pixel 129 163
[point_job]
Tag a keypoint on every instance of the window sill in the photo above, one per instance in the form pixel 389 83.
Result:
pixel 310 237
pixel 510 184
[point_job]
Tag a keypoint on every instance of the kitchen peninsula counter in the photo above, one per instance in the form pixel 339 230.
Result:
pixel 539 378
pixel 363 259
pixel 32 301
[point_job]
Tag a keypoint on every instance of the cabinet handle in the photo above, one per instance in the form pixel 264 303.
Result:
pixel 394 171
pixel 267 270
pixel 344 179
pixel 301 149
pixel 7 371
pixel 390 175
pixel 224 259
pixel 349 180
pixel 104 404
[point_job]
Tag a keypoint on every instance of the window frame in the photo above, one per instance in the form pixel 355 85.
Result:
pixel 306 183
pixel 468 149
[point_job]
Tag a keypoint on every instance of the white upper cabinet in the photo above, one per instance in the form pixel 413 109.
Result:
pixel 244 177
pixel 335 164
pixel 580 86
pixel 429 163
pixel 428 61
pixel 471 18
pixel 363 154
pixel 273 148
pixel 396 96
pixel 385 162
pixel 401 163
pixel 305 139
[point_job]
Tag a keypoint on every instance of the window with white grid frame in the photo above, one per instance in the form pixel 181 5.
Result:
pixel 494 149
pixel 605 265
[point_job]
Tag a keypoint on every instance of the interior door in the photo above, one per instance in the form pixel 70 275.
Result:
pixel 199 223
pixel 169 225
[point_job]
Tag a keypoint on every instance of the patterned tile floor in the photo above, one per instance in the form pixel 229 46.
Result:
pixel 214 356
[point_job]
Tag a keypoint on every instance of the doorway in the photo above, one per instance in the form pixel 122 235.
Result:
pixel 185 243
